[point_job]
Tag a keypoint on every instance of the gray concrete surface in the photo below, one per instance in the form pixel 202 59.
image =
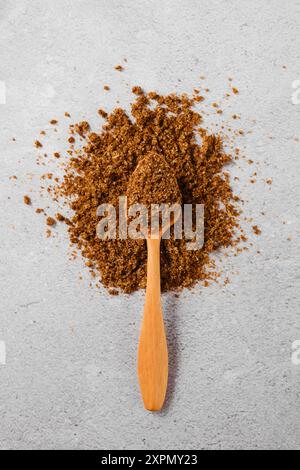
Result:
pixel 68 379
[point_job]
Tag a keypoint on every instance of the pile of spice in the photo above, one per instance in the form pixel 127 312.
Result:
pixel 99 172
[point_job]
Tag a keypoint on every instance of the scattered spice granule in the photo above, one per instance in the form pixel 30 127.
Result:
pixel 39 210
pixel 250 162
pixel 152 95
pixel 168 127
pixel 68 115
pixel 256 230
pixel 82 128
pixel 43 133
pixel 102 113
pixel 71 140
pixel 27 200
pixel 48 233
pixel 53 122
pixel 119 68
pixel 50 221
pixel 106 88
pixel 235 90
pixel 137 90
pixel 113 292
pixel 56 154
pixel 38 144
pixel 59 217
pixel 269 181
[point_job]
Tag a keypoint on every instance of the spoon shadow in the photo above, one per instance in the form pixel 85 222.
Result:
pixel 170 302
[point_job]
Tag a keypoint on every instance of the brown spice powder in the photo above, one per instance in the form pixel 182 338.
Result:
pixel 153 182
pixel 50 221
pixel 165 126
pixel 256 230
pixel 59 217
pixel 27 200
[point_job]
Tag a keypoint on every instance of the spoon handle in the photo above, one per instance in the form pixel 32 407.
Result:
pixel 153 352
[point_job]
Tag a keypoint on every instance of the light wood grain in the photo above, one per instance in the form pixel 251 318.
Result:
pixel 153 351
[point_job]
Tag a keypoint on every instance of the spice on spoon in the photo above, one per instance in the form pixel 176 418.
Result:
pixel 153 182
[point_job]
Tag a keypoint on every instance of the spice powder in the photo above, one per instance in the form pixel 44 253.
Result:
pixel 164 126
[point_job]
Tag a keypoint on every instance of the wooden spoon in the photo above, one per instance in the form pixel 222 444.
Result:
pixel 153 182
pixel 153 351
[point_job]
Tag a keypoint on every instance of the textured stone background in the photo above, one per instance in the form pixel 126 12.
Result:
pixel 69 379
